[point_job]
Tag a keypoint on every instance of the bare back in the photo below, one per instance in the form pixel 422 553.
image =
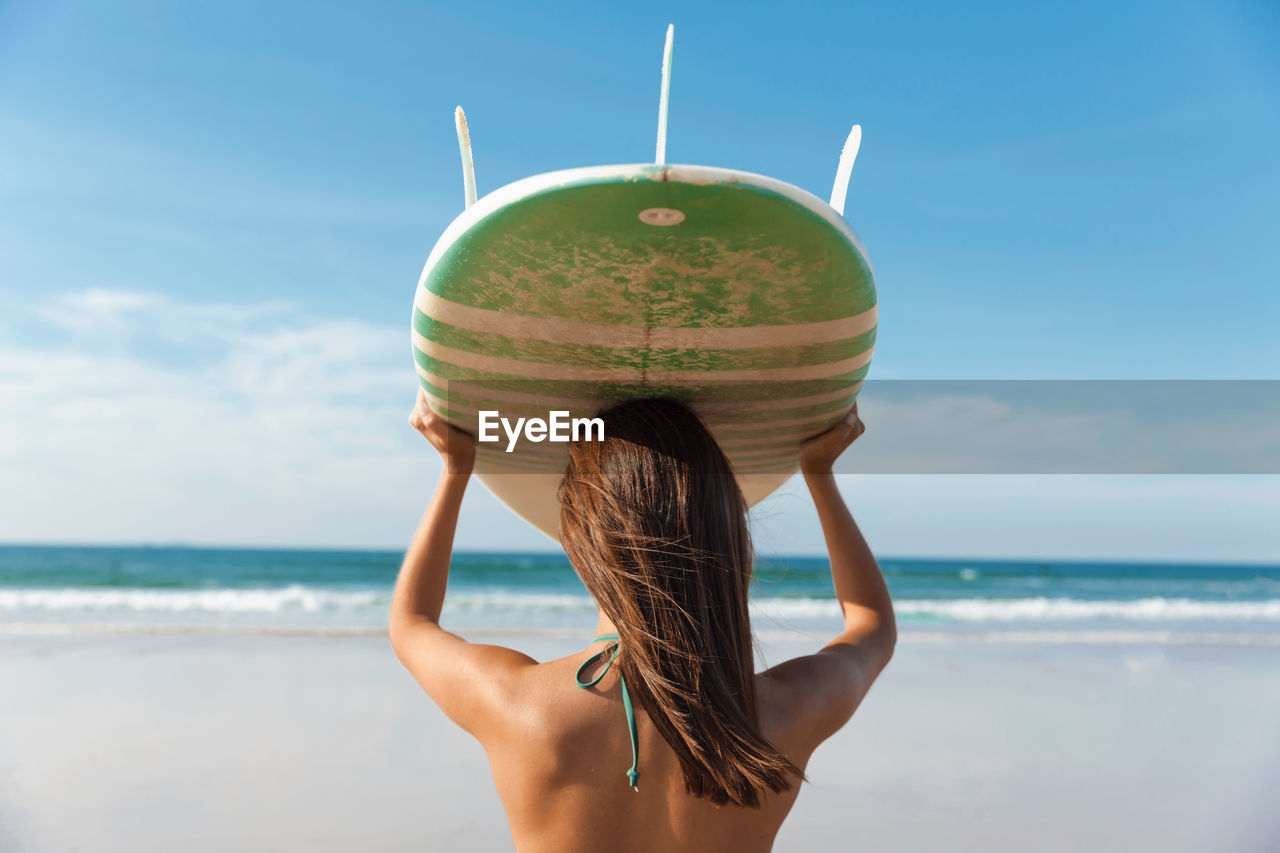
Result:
pixel 559 763
pixel 560 754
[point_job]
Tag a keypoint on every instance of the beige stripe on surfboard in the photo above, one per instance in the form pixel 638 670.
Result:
pixel 558 331
pixel 583 373
pixel 720 425
pixel 707 407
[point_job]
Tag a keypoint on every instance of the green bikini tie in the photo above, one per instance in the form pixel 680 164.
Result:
pixel 632 775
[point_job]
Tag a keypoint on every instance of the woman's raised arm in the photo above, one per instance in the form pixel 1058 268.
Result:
pixel 424 573
pixel 470 682
pixel 870 631
pixel 835 680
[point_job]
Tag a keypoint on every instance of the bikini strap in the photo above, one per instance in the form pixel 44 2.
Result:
pixel 633 775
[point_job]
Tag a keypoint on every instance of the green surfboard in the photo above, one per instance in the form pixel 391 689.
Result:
pixel 748 298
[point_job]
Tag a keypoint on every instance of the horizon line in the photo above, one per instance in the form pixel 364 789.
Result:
pixel 187 546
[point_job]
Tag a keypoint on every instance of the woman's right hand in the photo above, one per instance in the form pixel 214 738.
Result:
pixel 819 453
pixel 458 448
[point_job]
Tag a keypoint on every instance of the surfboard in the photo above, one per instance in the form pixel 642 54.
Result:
pixel 748 298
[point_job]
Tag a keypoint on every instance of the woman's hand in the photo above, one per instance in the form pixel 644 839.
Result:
pixel 819 453
pixel 457 447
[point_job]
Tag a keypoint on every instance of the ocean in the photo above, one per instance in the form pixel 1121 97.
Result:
pixel 47 589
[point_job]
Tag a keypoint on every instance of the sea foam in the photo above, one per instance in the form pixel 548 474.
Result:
pixel 299 598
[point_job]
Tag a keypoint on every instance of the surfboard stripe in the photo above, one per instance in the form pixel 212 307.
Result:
pixel 753 455
pixel 575 372
pixel 469 411
pixel 638 357
pixel 743 408
pixel 562 331
pixel 731 392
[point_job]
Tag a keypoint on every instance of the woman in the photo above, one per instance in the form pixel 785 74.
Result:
pixel 655 525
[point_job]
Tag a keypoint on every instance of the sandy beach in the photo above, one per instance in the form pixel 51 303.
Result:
pixel 141 742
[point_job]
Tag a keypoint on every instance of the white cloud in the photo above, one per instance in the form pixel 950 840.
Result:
pixel 151 419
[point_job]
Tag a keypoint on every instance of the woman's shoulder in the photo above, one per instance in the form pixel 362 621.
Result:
pixel 544 703
pixel 551 732
pixel 805 700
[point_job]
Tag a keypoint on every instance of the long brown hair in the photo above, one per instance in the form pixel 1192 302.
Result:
pixel 655 525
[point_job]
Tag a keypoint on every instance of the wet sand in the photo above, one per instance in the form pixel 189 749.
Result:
pixel 202 742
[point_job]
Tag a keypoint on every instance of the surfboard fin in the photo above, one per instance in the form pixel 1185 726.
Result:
pixel 661 159
pixel 845 169
pixel 468 165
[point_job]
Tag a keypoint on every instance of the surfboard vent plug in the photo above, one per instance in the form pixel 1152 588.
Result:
pixel 661 216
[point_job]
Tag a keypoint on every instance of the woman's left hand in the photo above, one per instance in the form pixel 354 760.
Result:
pixel 818 454
pixel 457 447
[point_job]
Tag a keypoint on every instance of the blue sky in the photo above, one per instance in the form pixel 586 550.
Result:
pixel 213 217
